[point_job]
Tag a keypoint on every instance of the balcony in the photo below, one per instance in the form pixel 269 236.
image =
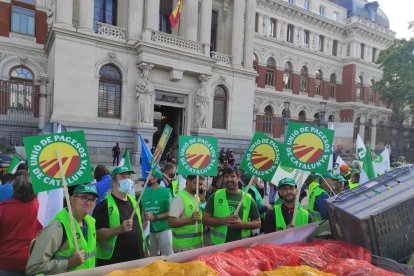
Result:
pixel 111 31
pixel 221 58
pixel 176 42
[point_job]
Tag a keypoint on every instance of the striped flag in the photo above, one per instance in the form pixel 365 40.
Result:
pixel 175 14
pixel 14 163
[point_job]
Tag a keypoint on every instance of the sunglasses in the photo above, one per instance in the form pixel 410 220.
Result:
pixel 86 199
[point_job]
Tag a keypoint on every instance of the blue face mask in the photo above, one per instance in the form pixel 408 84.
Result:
pixel 125 185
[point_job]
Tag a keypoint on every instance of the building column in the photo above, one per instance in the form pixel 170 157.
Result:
pixel 64 12
pixel 279 33
pixel 152 14
pixel 190 11
pixel 374 133
pixel 237 33
pixel 135 20
pixel 295 35
pixel 301 34
pixel 43 80
pixel 205 25
pixel 362 122
pixel 86 10
pixel 249 34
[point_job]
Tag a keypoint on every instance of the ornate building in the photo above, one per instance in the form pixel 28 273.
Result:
pixel 116 68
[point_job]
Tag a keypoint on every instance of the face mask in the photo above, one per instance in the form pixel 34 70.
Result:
pixel 203 205
pixel 125 185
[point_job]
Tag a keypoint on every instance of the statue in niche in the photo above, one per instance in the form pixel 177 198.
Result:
pixel 145 94
pixel 201 104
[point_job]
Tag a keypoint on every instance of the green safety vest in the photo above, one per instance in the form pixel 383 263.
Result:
pixel 312 186
pixel 258 197
pixel 352 185
pixel 105 248
pixel 221 210
pixel 88 246
pixel 174 187
pixel 302 217
pixel 316 215
pixel 187 235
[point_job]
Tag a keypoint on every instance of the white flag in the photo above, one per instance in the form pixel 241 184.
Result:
pixel 382 162
pixel 282 172
pixel 360 148
pixel 339 162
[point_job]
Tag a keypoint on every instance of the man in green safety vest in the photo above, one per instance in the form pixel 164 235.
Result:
pixel 54 250
pixel 318 196
pixel 220 208
pixel 353 182
pixel 120 238
pixel 184 215
pixel 280 218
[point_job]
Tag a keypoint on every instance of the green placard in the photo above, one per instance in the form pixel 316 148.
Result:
pixel 197 156
pixel 308 148
pixel 166 133
pixel 262 157
pixel 43 163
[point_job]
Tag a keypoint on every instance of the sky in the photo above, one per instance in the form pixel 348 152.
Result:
pixel 399 13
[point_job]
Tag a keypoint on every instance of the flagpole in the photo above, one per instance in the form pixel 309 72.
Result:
pixel 244 195
pixel 327 184
pixel 65 187
pixel 140 196
pixel 196 201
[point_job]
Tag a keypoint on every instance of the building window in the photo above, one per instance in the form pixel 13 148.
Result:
pixel 220 107
pixel 109 94
pixel 21 89
pixel 291 2
pixel 106 12
pixel 332 86
pixel 331 118
pixel 306 38
pixel 360 88
pixel 256 22
pixel 335 16
pixel 270 71
pixel 302 116
pixel 287 76
pixel 374 54
pixel 214 31
pixel 307 5
pixel 335 48
pixel 362 50
pixel 165 12
pixel 23 21
pixel 272 27
pixel 318 82
pixel 289 37
pixel 348 49
pixel 304 79
pixel 268 120
pixel 321 43
pixel 322 10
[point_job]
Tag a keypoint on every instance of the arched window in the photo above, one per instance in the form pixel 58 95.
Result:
pixel 331 118
pixel 318 82
pixel 21 89
pixel 220 107
pixel 109 94
pixel 270 71
pixel 302 116
pixel 268 120
pixel 304 79
pixel 332 86
pixel 287 76
pixel 360 88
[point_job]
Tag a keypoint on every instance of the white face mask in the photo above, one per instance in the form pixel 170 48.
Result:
pixel 125 185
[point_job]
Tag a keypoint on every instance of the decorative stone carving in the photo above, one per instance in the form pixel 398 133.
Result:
pixel 202 101
pixel 145 94
pixel 112 56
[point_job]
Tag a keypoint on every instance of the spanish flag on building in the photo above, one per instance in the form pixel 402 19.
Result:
pixel 176 13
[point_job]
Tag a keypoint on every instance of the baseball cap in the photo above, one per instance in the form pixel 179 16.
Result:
pixel 85 189
pixel 327 175
pixel 338 178
pixel 345 167
pixel 316 176
pixel 287 181
pixel 157 174
pixel 122 169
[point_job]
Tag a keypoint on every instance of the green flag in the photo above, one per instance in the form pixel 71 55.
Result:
pixel 41 152
pixel 368 171
pixel 308 148
pixel 14 163
pixel 262 157
pixel 125 161
pixel 197 156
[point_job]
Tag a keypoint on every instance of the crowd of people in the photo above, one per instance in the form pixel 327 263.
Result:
pixel 109 226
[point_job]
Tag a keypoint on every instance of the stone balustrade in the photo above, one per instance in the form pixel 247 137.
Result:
pixel 112 32
pixel 221 58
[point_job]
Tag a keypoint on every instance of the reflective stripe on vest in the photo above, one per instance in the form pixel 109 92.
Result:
pixel 302 218
pixel 221 210
pixel 105 248
pixel 186 236
pixel 352 185
pixel 316 215
pixel 88 246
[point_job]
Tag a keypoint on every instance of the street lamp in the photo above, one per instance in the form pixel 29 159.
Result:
pixel 322 114
pixel 286 116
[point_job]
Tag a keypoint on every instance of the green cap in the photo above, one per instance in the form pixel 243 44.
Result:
pixel 316 176
pixel 287 181
pixel 85 189
pixel 338 178
pixel 327 175
pixel 157 174
pixel 122 169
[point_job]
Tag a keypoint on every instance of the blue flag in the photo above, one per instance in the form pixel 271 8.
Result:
pixel 146 158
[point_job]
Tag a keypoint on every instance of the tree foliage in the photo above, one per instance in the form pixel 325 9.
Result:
pixel 396 87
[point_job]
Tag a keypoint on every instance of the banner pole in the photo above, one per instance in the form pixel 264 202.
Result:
pixel 140 196
pixel 327 184
pixel 196 201
pixel 295 211
pixel 65 187
pixel 244 195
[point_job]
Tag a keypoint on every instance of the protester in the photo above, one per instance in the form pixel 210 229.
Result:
pixel 103 181
pixel 318 196
pixel 168 179
pixel 120 239
pixel 6 189
pixel 272 193
pixel 220 208
pixel 183 216
pixel 353 182
pixel 116 152
pixel 19 225
pixel 156 205
pixel 280 218
pixel 54 248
